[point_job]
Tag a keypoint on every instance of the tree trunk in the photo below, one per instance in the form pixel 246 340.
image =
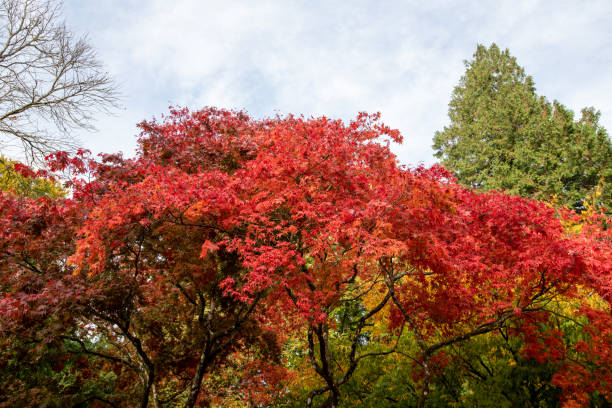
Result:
pixel 196 381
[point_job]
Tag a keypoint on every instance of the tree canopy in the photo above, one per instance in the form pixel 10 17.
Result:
pixel 278 262
pixel 15 178
pixel 504 136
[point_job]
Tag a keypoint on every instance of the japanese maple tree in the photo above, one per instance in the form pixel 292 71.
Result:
pixel 227 237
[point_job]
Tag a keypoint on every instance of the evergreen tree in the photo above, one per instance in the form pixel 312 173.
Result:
pixel 503 136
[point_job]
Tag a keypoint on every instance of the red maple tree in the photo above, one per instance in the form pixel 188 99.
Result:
pixel 227 233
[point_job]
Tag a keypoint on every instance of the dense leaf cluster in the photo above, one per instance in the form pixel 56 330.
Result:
pixel 504 136
pixel 293 262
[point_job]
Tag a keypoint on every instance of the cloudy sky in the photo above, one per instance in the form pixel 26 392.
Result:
pixel 335 58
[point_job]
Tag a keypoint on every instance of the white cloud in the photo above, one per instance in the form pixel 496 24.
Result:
pixel 336 58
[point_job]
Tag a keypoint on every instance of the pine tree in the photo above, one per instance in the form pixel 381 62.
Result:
pixel 504 136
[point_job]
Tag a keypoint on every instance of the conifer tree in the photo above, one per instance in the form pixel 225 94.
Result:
pixel 504 136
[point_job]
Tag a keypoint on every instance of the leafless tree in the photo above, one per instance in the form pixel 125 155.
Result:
pixel 51 82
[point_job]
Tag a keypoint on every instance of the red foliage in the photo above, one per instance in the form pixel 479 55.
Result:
pixel 225 226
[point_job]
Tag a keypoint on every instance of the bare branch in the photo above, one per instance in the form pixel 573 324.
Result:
pixel 51 83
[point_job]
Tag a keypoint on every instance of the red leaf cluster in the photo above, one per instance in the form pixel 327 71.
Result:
pixel 226 228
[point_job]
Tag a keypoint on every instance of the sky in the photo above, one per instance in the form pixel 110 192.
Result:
pixel 335 58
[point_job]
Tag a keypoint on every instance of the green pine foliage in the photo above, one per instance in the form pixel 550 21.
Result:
pixel 504 136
